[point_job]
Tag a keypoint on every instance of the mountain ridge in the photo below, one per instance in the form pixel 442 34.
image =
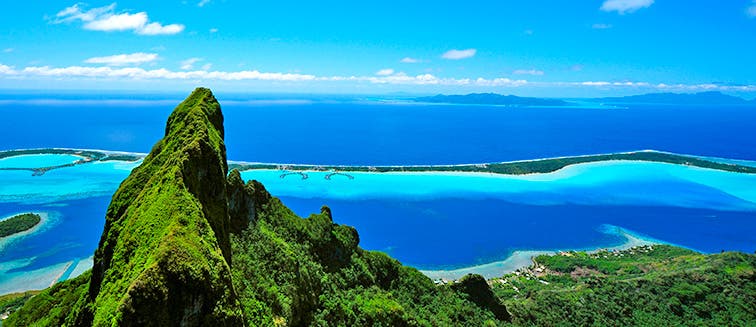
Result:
pixel 491 99
pixel 701 98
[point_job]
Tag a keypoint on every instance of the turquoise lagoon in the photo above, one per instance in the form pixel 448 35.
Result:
pixel 38 160
pixel 446 224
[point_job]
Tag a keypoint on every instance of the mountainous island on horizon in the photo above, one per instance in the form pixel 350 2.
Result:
pixel 701 98
pixel 189 243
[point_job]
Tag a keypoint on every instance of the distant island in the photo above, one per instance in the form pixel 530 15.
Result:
pixel 492 99
pixel 19 223
pixel 536 166
pixel 702 98
pixel 522 167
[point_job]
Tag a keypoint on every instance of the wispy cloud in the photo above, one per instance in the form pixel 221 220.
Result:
pixel 124 59
pixel 625 6
pixel 8 50
pixel 410 60
pixel 751 10
pixel 213 30
pixel 107 73
pixel 202 3
pixel 455 54
pixel 188 64
pixel 107 20
pixel 533 72
pixel 385 72
pixel 601 26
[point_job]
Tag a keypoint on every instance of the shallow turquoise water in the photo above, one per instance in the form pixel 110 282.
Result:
pixel 428 220
pixel 37 160
pixel 599 183
pixel 81 181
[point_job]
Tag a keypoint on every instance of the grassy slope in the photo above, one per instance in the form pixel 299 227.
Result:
pixel 647 286
pixel 294 271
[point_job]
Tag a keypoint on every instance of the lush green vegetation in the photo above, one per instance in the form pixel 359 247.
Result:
pixel 12 302
pixel 18 223
pixel 163 256
pixel 51 307
pixel 293 271
pixel 524 167
pixel 645 286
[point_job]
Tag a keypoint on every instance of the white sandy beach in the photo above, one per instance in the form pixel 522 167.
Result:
pixel 524 258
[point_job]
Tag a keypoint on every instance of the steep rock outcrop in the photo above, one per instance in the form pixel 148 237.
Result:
pixel 164 255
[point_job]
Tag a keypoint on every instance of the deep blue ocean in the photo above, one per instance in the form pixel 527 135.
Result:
pixel 429 233
pixel 375 133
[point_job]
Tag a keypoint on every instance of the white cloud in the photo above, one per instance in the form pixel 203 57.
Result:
pixel 107 20
pixel 121 22
pixel 751 10
pixel 207 67
pixel 533 72
pixel 625 6
pixel 6 70
pixel 601 26
pixel 213 30
pixel 188 64
pixel 385 72
pixel 455 54
pixel 124 59
pixel 137 73
pixel 8 50
pixel 202 3
pixel 410 60
pixel 158 29
pixel 162 73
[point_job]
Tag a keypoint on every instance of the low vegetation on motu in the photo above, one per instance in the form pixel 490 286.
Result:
pixel 18 223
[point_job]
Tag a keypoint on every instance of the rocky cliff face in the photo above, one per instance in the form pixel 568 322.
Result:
pixel 164 255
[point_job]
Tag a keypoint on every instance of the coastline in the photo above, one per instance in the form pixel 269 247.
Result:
pixel 524 258
pixel 514 167
pixel 45 220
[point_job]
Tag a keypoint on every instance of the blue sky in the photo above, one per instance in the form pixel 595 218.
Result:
pixel 538 48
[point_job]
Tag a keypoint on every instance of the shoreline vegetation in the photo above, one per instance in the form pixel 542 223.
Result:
pixel 19 223
pixel 520 167
pixel 520 259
